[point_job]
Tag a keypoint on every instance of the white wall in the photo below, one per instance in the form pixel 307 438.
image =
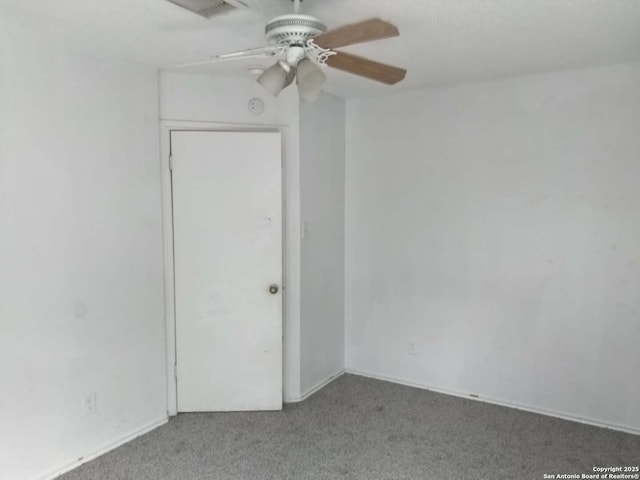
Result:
pixel 80 253
pixel 224 99
pixel 496 226
pixel 322 155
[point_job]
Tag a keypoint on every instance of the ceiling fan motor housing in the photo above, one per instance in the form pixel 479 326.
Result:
pixel 295 29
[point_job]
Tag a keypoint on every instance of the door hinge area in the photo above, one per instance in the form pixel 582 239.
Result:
pixel 175 371
pixel 170 162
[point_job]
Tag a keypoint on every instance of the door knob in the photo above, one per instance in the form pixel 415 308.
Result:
pixel 273 289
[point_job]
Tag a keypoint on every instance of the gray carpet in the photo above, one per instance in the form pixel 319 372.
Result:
pixel 358 428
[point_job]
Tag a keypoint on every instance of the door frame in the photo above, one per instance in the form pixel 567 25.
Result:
pixel 166 127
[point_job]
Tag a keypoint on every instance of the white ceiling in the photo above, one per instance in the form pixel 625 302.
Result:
pixel 442 41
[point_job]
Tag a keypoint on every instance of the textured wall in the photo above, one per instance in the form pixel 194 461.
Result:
pixel 81 289
pixel 494 229
pixel 322 150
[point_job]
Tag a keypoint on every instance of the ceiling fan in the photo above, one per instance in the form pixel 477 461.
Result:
pixel 303 42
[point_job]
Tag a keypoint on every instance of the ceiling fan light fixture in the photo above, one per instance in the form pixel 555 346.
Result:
pixel 276 77
pixel 294 55
pixel 305 42
pixel 310 76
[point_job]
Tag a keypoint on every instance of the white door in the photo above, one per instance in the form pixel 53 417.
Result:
pixel 227 214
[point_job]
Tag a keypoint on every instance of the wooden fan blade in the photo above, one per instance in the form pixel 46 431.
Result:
pixel 366 68
pixel 367 31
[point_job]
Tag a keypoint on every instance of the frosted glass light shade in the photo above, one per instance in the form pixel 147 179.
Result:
pixel 274 78
pixel 310 76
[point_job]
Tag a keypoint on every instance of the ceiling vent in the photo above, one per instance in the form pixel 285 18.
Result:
pixel 207 8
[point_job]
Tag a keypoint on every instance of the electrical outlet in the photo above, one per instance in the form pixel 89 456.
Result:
pixel 411 348
pixel 89 404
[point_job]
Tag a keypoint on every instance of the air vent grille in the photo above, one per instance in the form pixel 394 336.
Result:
pixel 205 8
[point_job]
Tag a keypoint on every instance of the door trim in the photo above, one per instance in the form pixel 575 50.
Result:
pixel 166 127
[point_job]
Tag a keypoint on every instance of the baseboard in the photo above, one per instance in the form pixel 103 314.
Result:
pixel 107 448
pixel 494 401
pixel 318 386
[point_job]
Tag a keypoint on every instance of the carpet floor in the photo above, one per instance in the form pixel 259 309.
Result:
pixel 359 428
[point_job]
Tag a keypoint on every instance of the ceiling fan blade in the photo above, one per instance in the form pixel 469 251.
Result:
pixel 367 31
pixel 262 52
pixel 364 67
